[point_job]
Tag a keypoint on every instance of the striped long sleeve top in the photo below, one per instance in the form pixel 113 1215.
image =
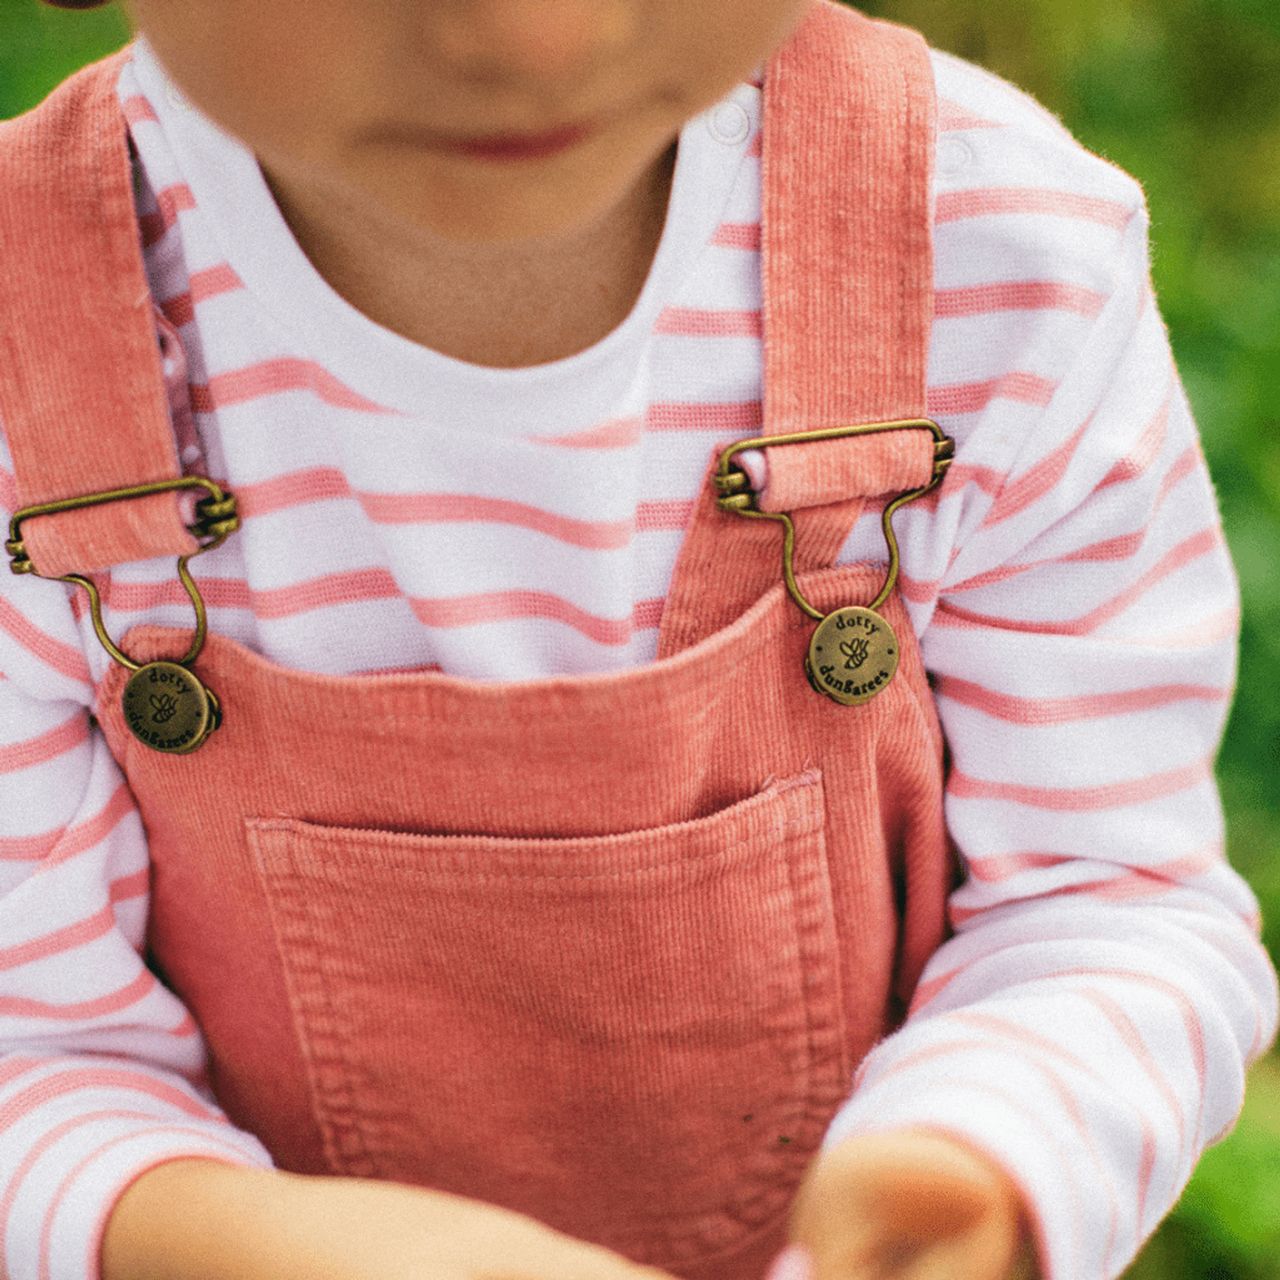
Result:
pixel 1091 1019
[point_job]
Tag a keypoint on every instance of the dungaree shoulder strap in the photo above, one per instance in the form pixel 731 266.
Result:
pixel 848 135
pixel 848 140
pixel 82 395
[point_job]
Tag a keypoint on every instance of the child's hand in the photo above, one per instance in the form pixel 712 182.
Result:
pixel 909 1205
pixel 358 1229
pixel 207 1221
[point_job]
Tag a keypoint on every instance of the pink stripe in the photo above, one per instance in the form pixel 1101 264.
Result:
pixel 918 590
pixel 959 475
pixel 318 484
pixel 985 202
pixel 926 992
pixel 65 939
pixel 1025 1037
pixel 953 118
pixel 42 1144
pixel 275 377
pixel 1001 866
pixel 1032 1118
pixel 668 514
pixel 694 322
pixel 13 1067
pixel 186 1027
pixel 1135 883
pixel 445 508
pixel 680 415
pixel 1133 1040
pixel 352 587
pixel 648 613
pixel 738 235
pixel 1017 495
pixel 501 606
pixel 1017 295
pixel 1114 795
pixel 1200 634
pixel 1187 1010
pixel 292 489
pixel 323 484
pixel 46 1227
pixel 1121 547
pixel 52 848
pixel 1043 711
pixel 135 109
pixel 63 658
pixel 1057 1086
pixel 179 310
pixel 1145 449
pixel 1189 460
pixel 213 281
pixel 886 1072
pixel 1145 1165
pixel 998 867
pixel 970 397
pixel 361 586
pixel 170 202
pixel 21 1007
pixel 1177 557
pixel 618 433
pixel 132 886
pixel 221 593
pixel 54 742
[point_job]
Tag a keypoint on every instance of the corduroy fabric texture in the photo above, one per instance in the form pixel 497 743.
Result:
pixel 604 949
pixel 849 117
pixel 78 347
pixel 880 463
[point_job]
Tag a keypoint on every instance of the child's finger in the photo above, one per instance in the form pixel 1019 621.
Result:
pixel 793 1263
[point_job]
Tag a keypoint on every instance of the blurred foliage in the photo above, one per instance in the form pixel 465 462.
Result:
pixel 1185 95
pixel 40 46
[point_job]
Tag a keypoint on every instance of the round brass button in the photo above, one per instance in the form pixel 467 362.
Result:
pixel 167 708
pixel 853 655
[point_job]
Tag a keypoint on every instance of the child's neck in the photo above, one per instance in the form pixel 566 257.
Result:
pixel 504 305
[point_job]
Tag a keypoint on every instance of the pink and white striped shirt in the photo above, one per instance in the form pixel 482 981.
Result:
pixel 1090 1023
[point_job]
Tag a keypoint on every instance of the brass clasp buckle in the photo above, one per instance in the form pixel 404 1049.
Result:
pixel 853 652
pixel 217 519
pixel 165 704
pixel 736 494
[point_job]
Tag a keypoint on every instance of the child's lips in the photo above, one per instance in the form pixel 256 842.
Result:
pixel 495 146
pixel 515 146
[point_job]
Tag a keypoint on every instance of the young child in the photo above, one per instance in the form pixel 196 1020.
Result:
pixel 503 882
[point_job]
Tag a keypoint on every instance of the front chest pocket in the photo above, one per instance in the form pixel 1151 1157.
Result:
pixel 637 1038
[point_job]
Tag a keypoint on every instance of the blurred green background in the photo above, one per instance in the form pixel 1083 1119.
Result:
pixel 1185 95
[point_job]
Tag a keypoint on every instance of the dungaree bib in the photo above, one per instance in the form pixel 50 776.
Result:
pixel 605 949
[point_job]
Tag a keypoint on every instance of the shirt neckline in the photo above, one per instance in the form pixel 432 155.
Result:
pixel 391 370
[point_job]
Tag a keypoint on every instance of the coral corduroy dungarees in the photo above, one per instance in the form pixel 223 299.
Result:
pixel 605 949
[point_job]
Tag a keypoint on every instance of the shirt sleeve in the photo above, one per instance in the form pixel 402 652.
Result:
pixel 1089 1022
pixel 102 1069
